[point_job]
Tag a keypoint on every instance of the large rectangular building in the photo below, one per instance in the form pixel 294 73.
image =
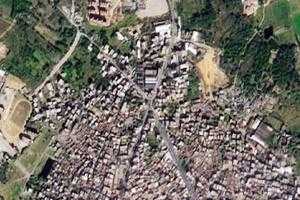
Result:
pixel 104 12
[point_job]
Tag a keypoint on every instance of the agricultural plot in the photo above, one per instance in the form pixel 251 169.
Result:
pixel 3 26
pixel 284 16
pixel 5 8
pixel 29 58
pixel 46 33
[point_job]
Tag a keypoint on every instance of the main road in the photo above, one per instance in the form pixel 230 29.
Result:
pixel 160 127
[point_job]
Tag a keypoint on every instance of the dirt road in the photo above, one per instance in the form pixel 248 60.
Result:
pixel 9 28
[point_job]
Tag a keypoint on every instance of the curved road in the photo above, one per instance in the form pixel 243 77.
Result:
pixel 56 68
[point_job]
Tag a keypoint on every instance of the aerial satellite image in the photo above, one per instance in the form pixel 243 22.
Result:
pixel 149 99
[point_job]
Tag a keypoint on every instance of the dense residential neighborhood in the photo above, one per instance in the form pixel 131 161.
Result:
pixel 138 103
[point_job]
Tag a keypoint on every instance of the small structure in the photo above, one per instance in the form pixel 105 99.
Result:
pixel 250 7
pixel 164 30
pixel 129 5
pixel 262 132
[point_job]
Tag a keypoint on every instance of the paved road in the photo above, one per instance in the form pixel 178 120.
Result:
pixel 59 65
pixel 163 132
pixel 160 126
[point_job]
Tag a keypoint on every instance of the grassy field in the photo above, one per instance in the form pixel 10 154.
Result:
pixel 31 156
pixel 277 14
pixel 5 8
pixel 295 15
pixel 284 16
pixel 33 159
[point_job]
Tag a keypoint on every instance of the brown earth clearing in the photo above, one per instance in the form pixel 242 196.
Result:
pixel 3 51
pixel 212 77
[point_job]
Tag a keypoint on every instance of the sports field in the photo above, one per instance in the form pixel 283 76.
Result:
pixel 21 111
pixel 16 111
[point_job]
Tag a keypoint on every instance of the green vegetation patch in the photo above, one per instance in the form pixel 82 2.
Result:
pixel 152 141
pixel 30 58
pixel 290 114
pixel 14 7
pixel 83 68
pixel 31 158
pixel 196 14
pixel 234 37
pixel 296 23
pixel 12 187
pixel 33 154
pixel 193 87
pixel 278 14
pixel 3 26
pixel 3 172
pixel 285 37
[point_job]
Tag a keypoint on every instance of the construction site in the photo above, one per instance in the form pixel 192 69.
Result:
pixel 212 77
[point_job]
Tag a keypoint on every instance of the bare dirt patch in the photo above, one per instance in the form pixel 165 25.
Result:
pixel 3 51
pixel 153 8
pixel 14 82
pixel 212 77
